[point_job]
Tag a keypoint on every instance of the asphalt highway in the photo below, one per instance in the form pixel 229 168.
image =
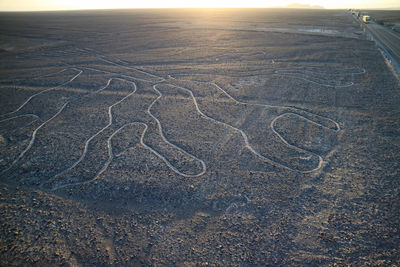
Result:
pixel 388 38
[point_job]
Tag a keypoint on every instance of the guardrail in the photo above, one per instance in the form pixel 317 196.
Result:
pixel 370 36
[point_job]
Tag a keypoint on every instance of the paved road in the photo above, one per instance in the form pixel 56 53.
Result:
pixel 388 38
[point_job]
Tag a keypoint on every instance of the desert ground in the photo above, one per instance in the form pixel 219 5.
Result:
pixel 388 18
pixel 257 137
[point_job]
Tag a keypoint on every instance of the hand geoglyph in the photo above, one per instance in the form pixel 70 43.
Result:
pixel 72 134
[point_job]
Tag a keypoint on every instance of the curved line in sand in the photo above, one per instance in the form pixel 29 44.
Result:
pixel 246 140
pixel 43 91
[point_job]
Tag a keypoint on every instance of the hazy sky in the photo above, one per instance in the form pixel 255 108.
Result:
pixel 23 5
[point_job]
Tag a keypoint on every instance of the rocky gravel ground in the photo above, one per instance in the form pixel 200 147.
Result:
pixel 195 138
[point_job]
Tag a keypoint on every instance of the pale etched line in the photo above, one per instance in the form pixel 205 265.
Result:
pixel 40 76
pixel 313 73
pixel 34 133
pixel 33 138
pixel 238 204
pixel 231 207
pixel 111 156
pixel 43 91
pixel 272 125
pixel 315 123
pixel 239 54
pixel 289 108
pixel 115 73
pixel 49 74
pixel 268 105
pixel 109 145
pixel 164 159
pixel 242 133
pixel 105 166
pixel 203 165
pixel 110 152
pixel 20 116
pixel 171 166
pixel 131 68
pixel 102 58
pixel 245 138
pixel 277 72
pixel 248 200
pixel 310 69
pixel 310 81
pixel 110 121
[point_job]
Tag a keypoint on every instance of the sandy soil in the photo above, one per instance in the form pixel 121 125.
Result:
pixel 194 138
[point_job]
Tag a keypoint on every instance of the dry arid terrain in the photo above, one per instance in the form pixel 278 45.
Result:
pixel 389 18
pixel 265 137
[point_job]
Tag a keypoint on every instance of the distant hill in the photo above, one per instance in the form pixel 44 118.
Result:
pixel 297 5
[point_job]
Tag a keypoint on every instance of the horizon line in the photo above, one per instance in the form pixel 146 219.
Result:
pixel 268 7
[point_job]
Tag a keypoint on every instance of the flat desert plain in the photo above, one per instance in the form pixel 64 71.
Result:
pixel 226 137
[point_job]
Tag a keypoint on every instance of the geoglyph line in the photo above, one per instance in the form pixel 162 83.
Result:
pixel 270 106
pixel 21 116
pixel 275 106
pixel 290 75
pixel 246 140
pixel 110 121
pixel 310 69
pixel 103 169
pixel 272 125
pixel 289 71
pixel 173 145
pixel 34 133
pixel 33 138
pixel 46 90
pixel 115 73
pixel 109 146
pixel 314 69
pixel 136 69
pixel 111 156
pixel 40 76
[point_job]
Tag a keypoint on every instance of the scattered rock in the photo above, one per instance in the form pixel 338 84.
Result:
pixel 3 140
